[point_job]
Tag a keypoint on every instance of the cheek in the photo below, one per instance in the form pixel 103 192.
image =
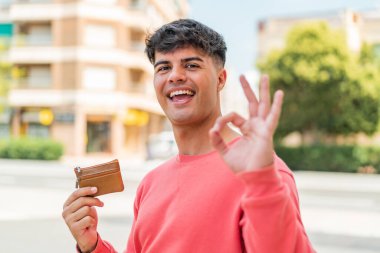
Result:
pixel 158 84
pixel 213 87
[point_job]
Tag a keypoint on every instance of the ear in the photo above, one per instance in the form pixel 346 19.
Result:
pixel 222 77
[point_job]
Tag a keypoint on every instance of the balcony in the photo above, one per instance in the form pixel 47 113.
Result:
pixel 32 1
pixel 40 98
pixel 34 10
pixel 33 77
pixel 43 82
pixel 24 40
pixel 137 82
pixel 137 39
pixel 32 34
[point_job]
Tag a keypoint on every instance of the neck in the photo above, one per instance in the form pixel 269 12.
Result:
pixel 194 140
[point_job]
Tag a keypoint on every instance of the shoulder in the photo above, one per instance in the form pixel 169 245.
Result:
pixel 160 171
pixel 153 178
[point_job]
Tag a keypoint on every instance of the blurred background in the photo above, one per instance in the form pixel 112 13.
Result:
pixel 76 89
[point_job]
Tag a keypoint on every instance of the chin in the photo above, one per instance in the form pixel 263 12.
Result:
pixel 181 119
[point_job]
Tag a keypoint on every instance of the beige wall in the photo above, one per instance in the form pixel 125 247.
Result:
pixel 122 81
pixel 64 132
pixel 66 75
pixel 66 32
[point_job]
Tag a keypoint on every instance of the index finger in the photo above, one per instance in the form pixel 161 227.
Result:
pixel 250 95
pixel 215 133
pixel 264 105
pixel 81 192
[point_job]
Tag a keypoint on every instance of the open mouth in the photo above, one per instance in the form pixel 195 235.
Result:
pixel 180 95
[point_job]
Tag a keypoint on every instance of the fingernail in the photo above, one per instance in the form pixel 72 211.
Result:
pixel 94 189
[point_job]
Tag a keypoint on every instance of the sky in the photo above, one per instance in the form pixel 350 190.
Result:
pixel 237 21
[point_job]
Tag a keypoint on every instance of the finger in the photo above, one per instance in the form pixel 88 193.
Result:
pixel 81 213
pixel 81 192
pixel 215 133
pixel 232 117
pixel 81 202
pixel 84 223
pixel 264 104
pixel 250 95
pixel 274 115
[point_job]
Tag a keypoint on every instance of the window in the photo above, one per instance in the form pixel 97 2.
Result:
pixel 98 136
pixel 39 35
pixel 4 131
pixel 137 40
pixel 98 78
pixel 99 36
pixel 136 75
pixel 39 77
pixel 136 80
pixel 37 130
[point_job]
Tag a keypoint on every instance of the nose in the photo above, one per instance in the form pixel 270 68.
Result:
pixel 177 75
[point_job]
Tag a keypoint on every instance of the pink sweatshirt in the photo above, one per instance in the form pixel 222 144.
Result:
pixel 196 204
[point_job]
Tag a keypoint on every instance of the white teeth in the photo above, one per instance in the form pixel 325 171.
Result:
pixel 181 92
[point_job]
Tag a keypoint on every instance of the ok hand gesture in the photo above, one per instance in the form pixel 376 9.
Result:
pixel 255 149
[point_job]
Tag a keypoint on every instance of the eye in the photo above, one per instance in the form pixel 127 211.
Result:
pixel 162 68
pixel 191 66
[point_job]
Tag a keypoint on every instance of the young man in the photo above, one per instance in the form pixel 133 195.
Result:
pixel 223 192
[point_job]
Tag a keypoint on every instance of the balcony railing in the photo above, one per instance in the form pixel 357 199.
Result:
pixel 32 40
pixel 5 43
pixel 32 1
pixel 35 82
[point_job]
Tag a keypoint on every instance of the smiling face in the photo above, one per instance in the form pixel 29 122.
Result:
pixel 187 84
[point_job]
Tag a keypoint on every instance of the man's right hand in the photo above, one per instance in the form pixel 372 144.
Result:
pixel 80 216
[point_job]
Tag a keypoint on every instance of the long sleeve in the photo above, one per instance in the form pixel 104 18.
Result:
pixel 271 220
pixel 132 247
pixel 174 211
pixel 101 247
pixel 105 247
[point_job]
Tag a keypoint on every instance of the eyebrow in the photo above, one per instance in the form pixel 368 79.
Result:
pixel 193 58
pixel 160 62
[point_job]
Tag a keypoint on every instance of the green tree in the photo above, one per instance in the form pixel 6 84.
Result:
pixel 328 89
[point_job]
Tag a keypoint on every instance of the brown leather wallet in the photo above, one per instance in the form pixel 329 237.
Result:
pixel 106 177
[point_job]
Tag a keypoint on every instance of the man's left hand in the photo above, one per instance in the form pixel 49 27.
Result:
pixel 255 148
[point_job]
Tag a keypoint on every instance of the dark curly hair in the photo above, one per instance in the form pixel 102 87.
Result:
pixel 186 32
